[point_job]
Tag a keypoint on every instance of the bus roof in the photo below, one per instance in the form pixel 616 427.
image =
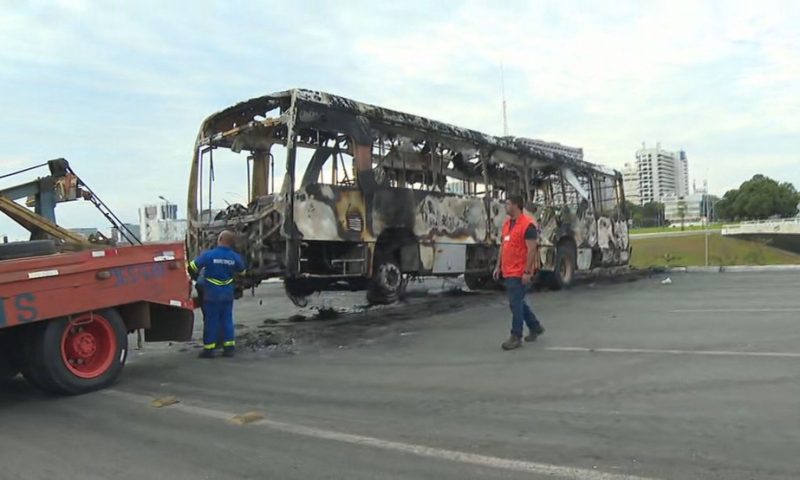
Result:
pixel 317 109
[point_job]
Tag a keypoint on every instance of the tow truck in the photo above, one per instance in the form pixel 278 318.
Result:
pixel 68 302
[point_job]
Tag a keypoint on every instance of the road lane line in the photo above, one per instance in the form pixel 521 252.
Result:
pixel 498 463
pixel 735 310
pixel 710 353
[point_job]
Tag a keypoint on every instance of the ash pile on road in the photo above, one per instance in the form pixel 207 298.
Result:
pixel 267 338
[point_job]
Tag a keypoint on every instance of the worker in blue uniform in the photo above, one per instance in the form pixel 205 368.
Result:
pixel 215 269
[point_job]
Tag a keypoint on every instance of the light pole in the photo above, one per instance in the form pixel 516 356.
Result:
pixel 705 205
pixel 165 212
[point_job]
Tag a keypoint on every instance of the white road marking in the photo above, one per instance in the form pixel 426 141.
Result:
pixel 735 310
pixel 711 353
pixel 498 463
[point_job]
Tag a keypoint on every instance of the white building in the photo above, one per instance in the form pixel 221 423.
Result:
pixel 660 173
pixel 120 239
pixel 630 182
pixel 553 147
pixel 698 208
pixel 85 232
pixel 160 223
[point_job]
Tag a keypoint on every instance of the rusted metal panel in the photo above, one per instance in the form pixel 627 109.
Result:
pixel 449 259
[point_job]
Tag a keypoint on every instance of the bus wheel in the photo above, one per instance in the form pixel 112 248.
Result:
pixel 564 273
pixel 81 353
pixel 297 291
pixel 388 283
pixel 480 282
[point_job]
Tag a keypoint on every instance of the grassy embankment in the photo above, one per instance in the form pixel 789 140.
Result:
pixel 712 226
pixel 690 251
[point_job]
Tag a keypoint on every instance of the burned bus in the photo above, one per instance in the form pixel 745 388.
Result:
pixel 346 195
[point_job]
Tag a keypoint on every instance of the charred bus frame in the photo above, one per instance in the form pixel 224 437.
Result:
pixel 375 203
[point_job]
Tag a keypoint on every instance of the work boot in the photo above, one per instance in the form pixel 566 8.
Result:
pixel 206 353
pixel 229 352
pixel 512 343
pixel 534 334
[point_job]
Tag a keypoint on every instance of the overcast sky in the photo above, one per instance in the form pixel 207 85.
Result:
pixel 120 88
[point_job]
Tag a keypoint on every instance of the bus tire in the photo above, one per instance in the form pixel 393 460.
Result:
pixel 80 353
pixel 388 283
pixel 564 273
pixel 481 282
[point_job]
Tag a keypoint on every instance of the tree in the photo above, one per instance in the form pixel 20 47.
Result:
pixel 759 198
pixel 648 215
pixel 653 213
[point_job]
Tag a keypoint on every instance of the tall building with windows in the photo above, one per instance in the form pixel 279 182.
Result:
pixel 630 182
pixel 656 174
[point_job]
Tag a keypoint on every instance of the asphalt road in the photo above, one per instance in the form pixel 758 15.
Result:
pixel 697 379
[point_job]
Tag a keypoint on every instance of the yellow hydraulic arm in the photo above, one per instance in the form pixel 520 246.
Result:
pixel 32 222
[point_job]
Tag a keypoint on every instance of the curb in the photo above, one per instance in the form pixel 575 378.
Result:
pixel 736 269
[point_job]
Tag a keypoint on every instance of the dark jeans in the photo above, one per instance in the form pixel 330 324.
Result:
pixel 520 311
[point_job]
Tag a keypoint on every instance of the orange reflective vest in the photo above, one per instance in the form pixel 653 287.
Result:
pixel 515 250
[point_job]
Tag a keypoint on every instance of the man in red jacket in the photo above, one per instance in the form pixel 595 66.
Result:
pixel 517 263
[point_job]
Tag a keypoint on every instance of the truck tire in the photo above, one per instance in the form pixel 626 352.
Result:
pixel 79 354
pixel 7 372
pixel 34 248
pixel 7 368
pixel 26 339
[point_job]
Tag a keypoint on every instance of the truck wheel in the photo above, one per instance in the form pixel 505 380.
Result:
pixel 7 368
pixel 81 353
pixel 564 273
pixel 27 339
pixel 388 283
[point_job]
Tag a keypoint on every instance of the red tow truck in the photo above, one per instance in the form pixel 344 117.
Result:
pixel 67 305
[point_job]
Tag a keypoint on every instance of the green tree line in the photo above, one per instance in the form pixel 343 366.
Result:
pixel 757 199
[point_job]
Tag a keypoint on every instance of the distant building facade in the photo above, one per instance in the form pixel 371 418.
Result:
pixel 656 174
pixel 630 182
pixel 84 232
pixel 160 223
pixel 698 207
pixel 119 238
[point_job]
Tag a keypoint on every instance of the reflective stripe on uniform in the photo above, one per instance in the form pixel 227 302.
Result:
pixel 210 346
pixel 219 283
pixel 192 266
pixel 229 343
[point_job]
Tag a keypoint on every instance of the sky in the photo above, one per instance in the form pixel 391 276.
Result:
pixel 120 88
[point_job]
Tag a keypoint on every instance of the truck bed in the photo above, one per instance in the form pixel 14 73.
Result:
pixel 40 288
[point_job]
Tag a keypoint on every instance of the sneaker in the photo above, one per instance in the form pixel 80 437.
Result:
pixel 512 343
pixel 206 353
pixel 229 352
pixel 533 335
